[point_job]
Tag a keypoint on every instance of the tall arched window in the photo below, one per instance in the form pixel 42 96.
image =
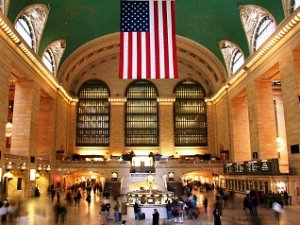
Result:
pixel 264 30
pixel 141 115
pixel 23 27
pixel 294 5
pixel 93 114
pixel 237 61
pixel 190 122
pixel 48 60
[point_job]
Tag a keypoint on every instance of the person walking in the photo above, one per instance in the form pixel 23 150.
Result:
pixel 137 210
pixel 102 213
pixel 169 211
pixel 117 211
pixel 217 217
pixel 88 199
pixel 277 208
pixel 62 213
pixel 155 217
pixel 205 204
pixel 77 198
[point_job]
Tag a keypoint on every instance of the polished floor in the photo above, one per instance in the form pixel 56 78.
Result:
pixel 39 211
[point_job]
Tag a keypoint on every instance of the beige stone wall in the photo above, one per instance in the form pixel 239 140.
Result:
pixel 166 128
pixel 290 83
pixel 25 118
pixel 46 128
pixel 222 126
pixel 62 126
pixel 241 150
pixel 262 119
pixel 72 123
pixel 281 136
pixel 117 131
pixel 211 128
pixel 4 93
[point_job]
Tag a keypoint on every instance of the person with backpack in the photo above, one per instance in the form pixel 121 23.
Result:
pixel 88 199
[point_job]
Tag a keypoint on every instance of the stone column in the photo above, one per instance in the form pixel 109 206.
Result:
pixel 72 129
pixel 240 130
pixel 4 93
pixel 166 125
pixel 25 118
pixel 290 86
pixel 25 127
pixel 262 119
pixel 211 128
pixel 117 126
pixel 46 129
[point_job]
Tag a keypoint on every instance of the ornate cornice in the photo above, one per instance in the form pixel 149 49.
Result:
pixel 201 61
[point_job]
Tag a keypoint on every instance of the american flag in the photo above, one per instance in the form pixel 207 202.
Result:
pixel 148 40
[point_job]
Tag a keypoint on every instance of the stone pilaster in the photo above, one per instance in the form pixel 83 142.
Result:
pixel 262 119
pixel 211 127
pixel 25 126
pixel 290 86
pixel 117 131
pixel 240 130
pixel 166 122
pixel 46 129
pixel 25 118
pixel 4 93
pixel 72 129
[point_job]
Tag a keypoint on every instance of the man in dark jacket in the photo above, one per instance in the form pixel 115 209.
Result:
pixel 217 217
pixel 155 220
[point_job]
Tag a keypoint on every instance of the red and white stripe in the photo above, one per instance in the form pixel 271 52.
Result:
pixel 151 55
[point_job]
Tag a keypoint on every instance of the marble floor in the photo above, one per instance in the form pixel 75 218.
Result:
pixel 39 211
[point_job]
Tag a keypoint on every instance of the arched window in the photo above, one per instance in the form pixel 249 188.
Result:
pixel 23 27
pixel 93 114
pixel 48 60
pixel 237 61
pixel 141 122
pixel 264 30
pixel 190 122
pixel 294 5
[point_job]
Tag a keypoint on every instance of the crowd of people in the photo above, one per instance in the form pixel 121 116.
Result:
pixel 178 209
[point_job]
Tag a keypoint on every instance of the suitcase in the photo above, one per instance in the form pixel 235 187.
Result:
pixel 141 216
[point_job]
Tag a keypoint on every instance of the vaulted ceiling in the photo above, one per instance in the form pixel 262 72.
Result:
pixel 204 21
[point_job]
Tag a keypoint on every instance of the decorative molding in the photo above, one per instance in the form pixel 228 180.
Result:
pixel 228 48
pixel 206 83
pixel 57 47
pixel 280 33
pixel 37 15
pixel 251 15
pixel 201 55
pixel 106 48
pixel 199 59
pixel 13 39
